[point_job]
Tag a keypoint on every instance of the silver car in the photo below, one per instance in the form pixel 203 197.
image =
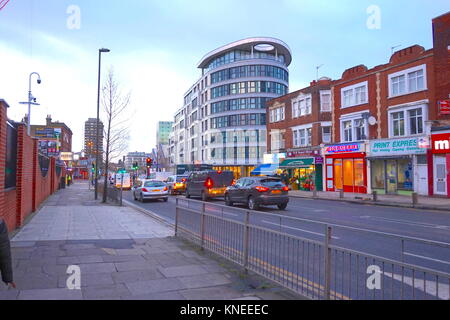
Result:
pixel 150 189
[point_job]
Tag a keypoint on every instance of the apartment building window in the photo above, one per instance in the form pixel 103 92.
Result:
pixel 326 134
pixel 325 101
pixel 353 129
pixel 407 121
pixel 302 136
pixel 407 81
pixel 354 95
pixel 301 106
pixel 277 114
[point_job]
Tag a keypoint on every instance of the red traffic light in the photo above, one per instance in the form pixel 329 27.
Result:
pixel 149 161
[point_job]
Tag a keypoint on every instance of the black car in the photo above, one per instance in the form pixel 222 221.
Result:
pixel 256 191
pixel 208 184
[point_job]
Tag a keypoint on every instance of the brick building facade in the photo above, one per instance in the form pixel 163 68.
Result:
pixel 382 123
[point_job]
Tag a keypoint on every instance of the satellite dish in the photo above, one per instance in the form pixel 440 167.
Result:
pixel 372 121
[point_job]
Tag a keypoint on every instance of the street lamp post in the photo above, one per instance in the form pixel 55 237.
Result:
pixel 100 51
pixel 31 100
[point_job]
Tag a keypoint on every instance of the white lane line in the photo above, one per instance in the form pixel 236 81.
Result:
pixel 425 258
pixel 303 230
pixel 419 224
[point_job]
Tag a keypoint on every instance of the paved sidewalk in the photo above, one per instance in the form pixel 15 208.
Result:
pixel 425 203
pixel 122 254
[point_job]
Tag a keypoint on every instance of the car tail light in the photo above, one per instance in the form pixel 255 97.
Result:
pixel 219 171
pixel 262 189
pixel 144 190
pixel 233 182
pixel 165 189
pixel 286 188
pixel 209 183
pixel 183 180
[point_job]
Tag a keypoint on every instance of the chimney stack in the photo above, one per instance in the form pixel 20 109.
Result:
pixel 49 120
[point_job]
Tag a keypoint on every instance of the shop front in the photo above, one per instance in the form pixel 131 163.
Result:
pixel 398 166
pixel 439 167
pixel 304 169
pixel 346 167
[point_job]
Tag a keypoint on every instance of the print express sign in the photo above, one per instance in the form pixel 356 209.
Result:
pixel 396 147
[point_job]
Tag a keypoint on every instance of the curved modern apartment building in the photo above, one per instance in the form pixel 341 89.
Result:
pixel 223 119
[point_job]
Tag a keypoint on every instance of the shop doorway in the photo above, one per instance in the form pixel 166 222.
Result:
pixel 440 173
pixel 349 175
pixel 391 177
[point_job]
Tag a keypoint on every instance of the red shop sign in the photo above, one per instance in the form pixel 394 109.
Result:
pixel 444 107
pixel 440 143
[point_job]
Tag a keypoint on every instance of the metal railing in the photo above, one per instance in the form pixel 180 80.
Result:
pixel 319 269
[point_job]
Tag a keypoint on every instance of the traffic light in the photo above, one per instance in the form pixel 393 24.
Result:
pixel 135 166
pixel 93 167
pixel 149 162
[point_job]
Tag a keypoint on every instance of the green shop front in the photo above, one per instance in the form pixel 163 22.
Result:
pixel 305 173
pixel 398 166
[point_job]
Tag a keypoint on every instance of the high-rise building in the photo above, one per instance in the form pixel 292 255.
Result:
pixel 223 118
pixel 90 137
pixel 164 129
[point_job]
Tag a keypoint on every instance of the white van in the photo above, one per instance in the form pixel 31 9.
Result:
pixel 160 176
pixel 126 181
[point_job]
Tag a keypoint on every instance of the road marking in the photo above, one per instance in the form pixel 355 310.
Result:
pixel 419 224
pixel 303 230
pixel 426 258
pixel 427 286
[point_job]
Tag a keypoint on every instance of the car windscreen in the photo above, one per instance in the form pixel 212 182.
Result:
pixel 154 184
pixel 272 183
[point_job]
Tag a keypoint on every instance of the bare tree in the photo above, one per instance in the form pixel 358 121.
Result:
pixel 116 130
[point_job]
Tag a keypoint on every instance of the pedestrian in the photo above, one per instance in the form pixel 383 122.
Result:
pixel 5 256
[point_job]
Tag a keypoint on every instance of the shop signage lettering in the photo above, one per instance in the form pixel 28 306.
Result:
pixel 396 147
pixel 354 147
pixel 440 143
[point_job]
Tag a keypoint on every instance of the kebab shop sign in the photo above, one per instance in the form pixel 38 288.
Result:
pixel 344 148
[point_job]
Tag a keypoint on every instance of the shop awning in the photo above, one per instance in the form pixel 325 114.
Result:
pixel 297 163
pixel 265 169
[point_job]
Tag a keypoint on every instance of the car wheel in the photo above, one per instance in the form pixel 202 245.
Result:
pixel 165 199
pixel 204 196
pixel 141 198
pixel 252 205
pixel 282 206
pixel 228 201
pixel 134 196
pixel 187 195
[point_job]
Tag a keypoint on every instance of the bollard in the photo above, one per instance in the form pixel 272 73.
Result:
pixel 341 193
pixel 314 192
pixel 415 198
pixel 375 196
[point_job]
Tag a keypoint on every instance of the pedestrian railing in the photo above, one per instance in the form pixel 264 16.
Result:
pixel 325 266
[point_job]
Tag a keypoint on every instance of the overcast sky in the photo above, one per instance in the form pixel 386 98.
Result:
pixel 156 45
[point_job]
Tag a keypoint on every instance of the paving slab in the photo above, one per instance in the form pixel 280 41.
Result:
pixel 50 294
pixel 155 286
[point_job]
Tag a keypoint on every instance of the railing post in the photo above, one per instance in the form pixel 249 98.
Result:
pixel 314 192
pixel 202 226
pixel 327 252
pixel 375 196
pixel 177 209
pixel 414 199
pixel 246 240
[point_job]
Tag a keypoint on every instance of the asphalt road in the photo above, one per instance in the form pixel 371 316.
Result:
pixel 430 225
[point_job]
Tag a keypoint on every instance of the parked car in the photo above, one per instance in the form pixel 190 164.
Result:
pixel 150 189
pixel 208 184
pixel 257 191
pixel 176 184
